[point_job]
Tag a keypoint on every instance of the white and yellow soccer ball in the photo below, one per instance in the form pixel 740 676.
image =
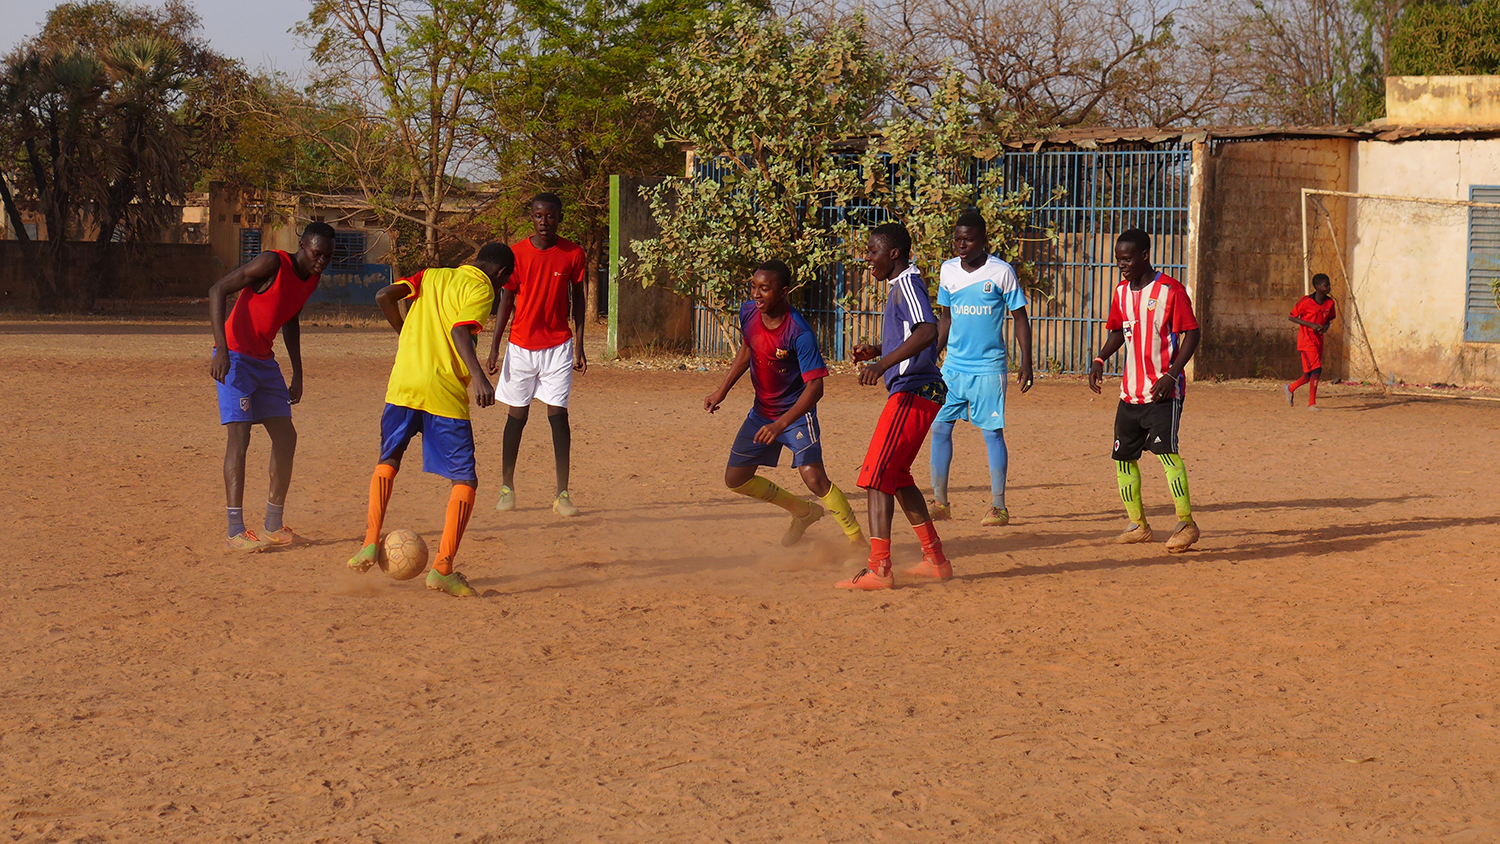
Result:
pixel 403 554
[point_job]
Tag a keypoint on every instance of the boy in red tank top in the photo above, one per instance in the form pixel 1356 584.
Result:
pixel 272 289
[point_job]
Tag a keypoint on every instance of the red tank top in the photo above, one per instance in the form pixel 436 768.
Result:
pixel 256 317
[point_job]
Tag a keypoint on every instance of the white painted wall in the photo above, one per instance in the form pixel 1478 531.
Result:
pixel 1407 262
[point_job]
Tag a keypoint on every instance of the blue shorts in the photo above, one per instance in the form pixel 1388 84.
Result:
pixel 447 443
pixel 801 437
pixel 252 391
pixel 979 399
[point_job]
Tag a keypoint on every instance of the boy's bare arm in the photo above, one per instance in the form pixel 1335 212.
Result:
pixel 503 311
pixel 262 267
pixel 389 299
pixel 922 335
pixel 480 388
pixel 737 370
pixel 1112 344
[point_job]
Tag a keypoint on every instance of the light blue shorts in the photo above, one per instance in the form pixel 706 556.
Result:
pixel 979 399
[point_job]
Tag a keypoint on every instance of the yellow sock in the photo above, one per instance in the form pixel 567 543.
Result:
pixel 839 506
pixel 758 487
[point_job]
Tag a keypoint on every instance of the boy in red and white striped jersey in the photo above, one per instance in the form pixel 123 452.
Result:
pixel 1150 315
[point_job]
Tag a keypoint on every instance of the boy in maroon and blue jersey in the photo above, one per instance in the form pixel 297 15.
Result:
pixel 781 353
pixel 271 288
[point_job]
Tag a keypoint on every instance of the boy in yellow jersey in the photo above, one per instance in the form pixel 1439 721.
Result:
pixel 434 379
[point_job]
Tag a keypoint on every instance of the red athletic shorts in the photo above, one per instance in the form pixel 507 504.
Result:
pixel 1311 359
pixel 898 437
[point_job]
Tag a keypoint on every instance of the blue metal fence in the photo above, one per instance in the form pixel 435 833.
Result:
pixel 1103 192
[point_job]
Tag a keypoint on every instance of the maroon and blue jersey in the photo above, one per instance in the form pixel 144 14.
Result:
pixel 782 359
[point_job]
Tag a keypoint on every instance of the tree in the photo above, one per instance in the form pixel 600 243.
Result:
pixel 558 113
pixel 408 69
pixel 1448 39
pixel 925 171
pixel 1315 62
pixel 97 113
pixel 1056 63
pixel 771 102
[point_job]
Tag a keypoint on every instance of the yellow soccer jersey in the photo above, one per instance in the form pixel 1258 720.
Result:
pixel 428 373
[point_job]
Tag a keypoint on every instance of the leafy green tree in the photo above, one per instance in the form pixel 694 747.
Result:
pixel 98 122
pixel 558 111
pixel 929 163
pixel 1448 39
pixel 408 69
pixel 774 103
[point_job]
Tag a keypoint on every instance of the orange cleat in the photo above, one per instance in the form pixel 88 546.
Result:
pixel 867 581
pixel 931 567
pixel 284 537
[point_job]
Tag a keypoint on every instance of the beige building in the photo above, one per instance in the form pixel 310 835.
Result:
pixel 1411 259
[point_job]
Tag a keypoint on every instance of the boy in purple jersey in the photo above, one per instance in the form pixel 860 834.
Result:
pixel 781 352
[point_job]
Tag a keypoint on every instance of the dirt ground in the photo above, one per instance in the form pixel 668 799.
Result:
pixel 1322 668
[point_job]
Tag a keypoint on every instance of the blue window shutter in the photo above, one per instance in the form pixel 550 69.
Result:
pixel 1481 310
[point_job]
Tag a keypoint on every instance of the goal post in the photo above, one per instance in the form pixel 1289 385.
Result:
pixel 1371 325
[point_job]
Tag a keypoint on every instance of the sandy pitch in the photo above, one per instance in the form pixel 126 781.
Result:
pixel 1323 668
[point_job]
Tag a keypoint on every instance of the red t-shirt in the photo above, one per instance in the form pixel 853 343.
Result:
pixel 1152 318
pixel 252 325
pixel 1308 308
pixel 542 282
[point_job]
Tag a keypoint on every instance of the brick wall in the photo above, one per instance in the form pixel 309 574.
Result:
pixel 1251 266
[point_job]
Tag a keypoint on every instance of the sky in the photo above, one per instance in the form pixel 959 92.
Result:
pixel 253 31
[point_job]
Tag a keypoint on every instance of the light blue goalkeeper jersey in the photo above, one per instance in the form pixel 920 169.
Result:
pixel 978 302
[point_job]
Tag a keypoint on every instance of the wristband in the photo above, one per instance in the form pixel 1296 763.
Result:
pixel 1099 361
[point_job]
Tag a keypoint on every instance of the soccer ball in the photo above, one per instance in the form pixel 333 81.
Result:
pixel 403 554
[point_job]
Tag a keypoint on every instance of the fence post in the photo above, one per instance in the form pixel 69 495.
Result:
pixel 612 334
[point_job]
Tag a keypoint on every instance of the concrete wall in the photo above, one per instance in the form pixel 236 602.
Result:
pixel 147 271
pixel 1442 100
pixel 639 317
pixel 1409 261
pixel 1248 253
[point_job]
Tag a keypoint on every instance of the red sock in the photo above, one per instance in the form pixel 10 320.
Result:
pixel 1298 383
pixel 380 495
pixel 931 545
pixel 880 556
pixel 460 505
pixel 1312 392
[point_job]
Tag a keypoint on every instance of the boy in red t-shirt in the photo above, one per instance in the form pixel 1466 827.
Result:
pixel 270 291
pixel 542 354
pixel 1313 313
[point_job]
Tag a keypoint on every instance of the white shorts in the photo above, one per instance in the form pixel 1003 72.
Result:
pixel 544 374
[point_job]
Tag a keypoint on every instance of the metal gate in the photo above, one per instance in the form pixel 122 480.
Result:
pixel 1103 193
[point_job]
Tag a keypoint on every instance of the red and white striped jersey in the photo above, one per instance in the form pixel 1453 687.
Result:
pixel 1153 318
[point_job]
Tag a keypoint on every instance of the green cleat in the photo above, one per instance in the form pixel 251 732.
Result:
pixel 998 517
pixel 563 506
pixel 454 584
pixel 799 526
pixel 507 499
pixel 367 556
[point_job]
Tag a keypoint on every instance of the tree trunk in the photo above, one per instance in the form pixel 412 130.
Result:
pixel 429 243
pixel 12 212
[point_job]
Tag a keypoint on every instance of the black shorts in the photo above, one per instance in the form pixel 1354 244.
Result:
pixel 1146 427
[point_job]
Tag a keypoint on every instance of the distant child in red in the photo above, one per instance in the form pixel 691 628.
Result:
pixel 1314 313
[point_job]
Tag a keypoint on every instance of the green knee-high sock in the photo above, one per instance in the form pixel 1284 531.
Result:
pixel 842 513
pixel 758 487
pixel 1128 473
pixel 1177 481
